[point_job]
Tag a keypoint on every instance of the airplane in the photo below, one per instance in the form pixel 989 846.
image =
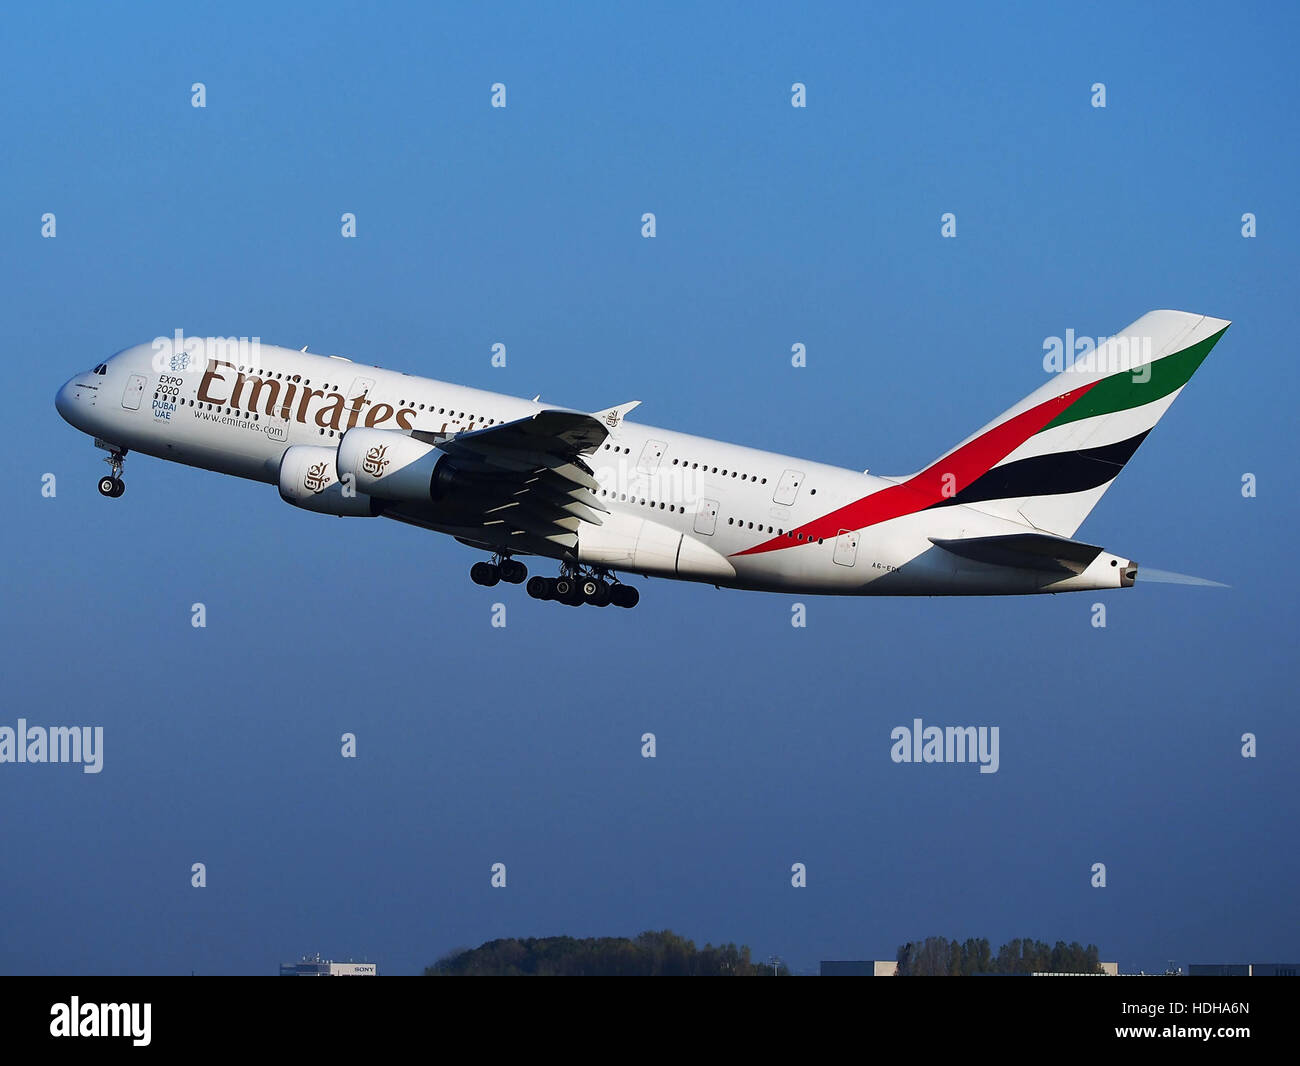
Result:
pixel 604 496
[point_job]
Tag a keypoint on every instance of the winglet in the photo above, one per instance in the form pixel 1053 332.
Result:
pixel 612 416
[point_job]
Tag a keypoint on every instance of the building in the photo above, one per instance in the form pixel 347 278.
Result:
pixel 1108 969
pixel 1244 969
pixel 831 968
pixel 315 966
pixel 889 968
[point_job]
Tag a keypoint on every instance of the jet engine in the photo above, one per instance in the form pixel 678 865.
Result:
pixel 393 466
pixel 309 479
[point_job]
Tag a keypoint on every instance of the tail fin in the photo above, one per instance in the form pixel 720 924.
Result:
pixel 1048 460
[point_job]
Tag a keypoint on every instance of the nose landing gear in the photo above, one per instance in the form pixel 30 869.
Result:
pixel 113 486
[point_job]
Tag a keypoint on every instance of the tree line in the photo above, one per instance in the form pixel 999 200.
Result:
pixel 652 954
pixel 937 956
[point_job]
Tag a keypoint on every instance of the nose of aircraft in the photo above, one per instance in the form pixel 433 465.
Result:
pixel 63 401
pixel 73 402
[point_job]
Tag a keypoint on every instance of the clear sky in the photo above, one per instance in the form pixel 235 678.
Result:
pixel 775 226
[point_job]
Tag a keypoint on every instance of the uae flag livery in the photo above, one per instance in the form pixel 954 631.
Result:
pixel 1047 461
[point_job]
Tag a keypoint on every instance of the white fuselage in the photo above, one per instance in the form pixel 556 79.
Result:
pixel 705 503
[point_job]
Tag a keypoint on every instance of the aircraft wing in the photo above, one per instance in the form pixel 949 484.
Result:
pixel 1026 551
pixel 530 475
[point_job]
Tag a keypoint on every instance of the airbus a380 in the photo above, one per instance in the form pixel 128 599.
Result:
pixel 604 496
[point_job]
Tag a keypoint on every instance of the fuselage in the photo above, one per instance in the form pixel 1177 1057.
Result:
pixel 701 509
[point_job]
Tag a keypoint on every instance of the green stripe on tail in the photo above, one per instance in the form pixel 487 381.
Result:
pixel 1123 391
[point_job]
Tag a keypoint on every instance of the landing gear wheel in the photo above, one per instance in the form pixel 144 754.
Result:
pixel 624 596
pixel 513 572
pixel 539 588
pixel 112 486
pixel 595 592
pixel 566 590
pixel 484 574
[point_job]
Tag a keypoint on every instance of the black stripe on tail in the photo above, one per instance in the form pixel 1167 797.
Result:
pixel 1050 475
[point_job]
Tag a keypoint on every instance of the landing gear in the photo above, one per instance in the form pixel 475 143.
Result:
pixel 562 589
pixel 113 486
pixel 484 574
pixel 502 568
pixel 624 596
pixel 513 572
pixel 573 587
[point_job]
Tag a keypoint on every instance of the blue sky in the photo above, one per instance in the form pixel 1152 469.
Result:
pixel 521 225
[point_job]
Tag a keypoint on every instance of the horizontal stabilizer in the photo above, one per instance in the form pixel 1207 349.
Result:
pixel 1025 551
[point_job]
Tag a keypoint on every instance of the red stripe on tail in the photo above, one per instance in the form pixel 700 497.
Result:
pixel 951 473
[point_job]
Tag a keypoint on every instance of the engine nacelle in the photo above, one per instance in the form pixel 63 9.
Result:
pixel 389 464
pixel 309 479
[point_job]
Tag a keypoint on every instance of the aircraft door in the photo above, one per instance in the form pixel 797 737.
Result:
pixel 846 547
pixel 706 517
pixel 134 390
pixel 788 487
pixel 650 456
pixel 360 387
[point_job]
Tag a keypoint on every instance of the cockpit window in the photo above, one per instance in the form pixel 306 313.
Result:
pixel 102 368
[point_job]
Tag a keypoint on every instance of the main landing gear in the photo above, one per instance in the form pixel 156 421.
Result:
pixel 575 588
pixel 501 568
pixel 113 486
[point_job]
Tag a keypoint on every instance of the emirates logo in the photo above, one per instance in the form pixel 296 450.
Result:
pixel 374 463
pixel 317 478
pixel 611 419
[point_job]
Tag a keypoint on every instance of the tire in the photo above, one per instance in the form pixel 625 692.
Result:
pixel 624 596
pixel 561 589
pixel 513 572
pixel 539 588
pixel 107 485
pixel 119 487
